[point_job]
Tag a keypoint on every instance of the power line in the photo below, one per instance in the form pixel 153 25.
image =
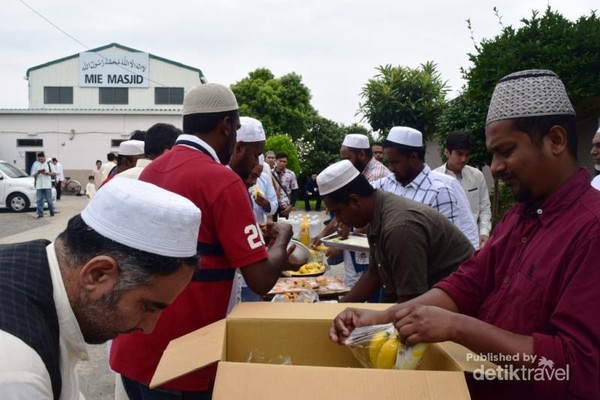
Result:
pixel 79 42
pixel 53 24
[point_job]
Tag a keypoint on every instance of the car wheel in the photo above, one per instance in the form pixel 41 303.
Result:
pixel 18 202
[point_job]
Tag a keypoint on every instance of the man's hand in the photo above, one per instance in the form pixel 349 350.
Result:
pixel 351 318
pixel 332 253
pixel 263 203
pixel 276 231
pixel 343 230
pixel 286 211
pixel 425 324
pixel 483 240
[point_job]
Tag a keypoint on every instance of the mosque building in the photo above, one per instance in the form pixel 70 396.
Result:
pixel 83 105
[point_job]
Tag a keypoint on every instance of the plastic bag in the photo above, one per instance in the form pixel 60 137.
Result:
pixel 306 296
pixel 258 356
pixel 379 346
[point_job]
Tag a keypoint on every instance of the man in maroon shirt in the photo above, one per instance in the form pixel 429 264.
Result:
pixel 533 291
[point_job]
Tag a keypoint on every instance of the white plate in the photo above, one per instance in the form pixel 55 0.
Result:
pixel 355 242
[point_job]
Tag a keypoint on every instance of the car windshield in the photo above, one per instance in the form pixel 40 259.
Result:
pixel 12 171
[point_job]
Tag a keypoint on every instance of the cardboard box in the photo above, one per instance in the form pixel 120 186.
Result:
pixel 321 368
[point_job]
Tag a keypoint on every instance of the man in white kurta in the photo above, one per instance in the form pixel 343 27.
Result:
pixel 104 276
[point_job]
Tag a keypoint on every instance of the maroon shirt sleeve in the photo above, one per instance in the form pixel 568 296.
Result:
pixel 575 345
pixel 465 286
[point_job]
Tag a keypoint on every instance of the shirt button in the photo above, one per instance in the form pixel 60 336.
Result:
pixel 506 280
pixel 524 240
pixel 539 211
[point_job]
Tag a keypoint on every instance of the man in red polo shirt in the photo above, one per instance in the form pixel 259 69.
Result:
pixel 230 238
pixel 529 299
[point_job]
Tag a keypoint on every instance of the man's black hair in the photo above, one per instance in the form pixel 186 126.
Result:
pixel 459 140
pixel 111 157
pixel 203 123
pixel 138 135
pixel 538 127
pixel 281 154
pixel 160 137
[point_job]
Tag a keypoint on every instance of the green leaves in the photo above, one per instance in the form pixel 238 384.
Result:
pixel 404 96
pixel 281 104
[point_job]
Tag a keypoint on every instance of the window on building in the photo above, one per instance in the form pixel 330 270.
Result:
pixel 168 95
pixel 116 142
pixel 114 96
pixel 58 95
pixel 30 142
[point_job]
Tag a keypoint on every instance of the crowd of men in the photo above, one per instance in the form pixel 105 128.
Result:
pixel 524 287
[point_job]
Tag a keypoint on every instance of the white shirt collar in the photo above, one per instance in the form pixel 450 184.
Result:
pixel 199 141
pixel 69 328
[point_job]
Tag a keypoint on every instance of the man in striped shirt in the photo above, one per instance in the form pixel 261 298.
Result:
pixel 412 178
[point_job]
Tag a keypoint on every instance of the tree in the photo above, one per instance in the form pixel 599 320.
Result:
pixel 281 104
pixel 570 49
pixel 404 96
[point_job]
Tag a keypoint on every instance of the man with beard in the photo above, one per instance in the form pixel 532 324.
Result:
pixel 251 140
pixel 355 148
pixel 596 155
pixel 411 246
pixel 101 277
pixel 412 178
pixel 229 238
pixel 530 291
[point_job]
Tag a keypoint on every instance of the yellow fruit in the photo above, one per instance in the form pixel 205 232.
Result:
pixel 388 353
pixel 322 248
pixel 409 357
pixel 258 192
pixel 375 345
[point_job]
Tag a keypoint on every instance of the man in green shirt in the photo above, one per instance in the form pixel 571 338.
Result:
pixel 412 246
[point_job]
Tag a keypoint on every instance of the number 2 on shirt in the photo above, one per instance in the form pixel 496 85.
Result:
pixel 255 237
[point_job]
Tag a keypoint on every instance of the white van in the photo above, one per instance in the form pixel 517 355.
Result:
pixel 17 190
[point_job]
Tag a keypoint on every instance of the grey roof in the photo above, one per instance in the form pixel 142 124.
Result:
pixel 90 110
pixel 120 47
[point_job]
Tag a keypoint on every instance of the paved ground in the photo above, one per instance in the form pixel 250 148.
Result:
pixel 97 381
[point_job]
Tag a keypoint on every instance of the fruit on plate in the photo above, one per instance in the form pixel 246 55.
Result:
pixel 312 268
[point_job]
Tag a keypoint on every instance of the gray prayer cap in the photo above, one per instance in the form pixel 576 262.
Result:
pixel 209 98
pixel 529 93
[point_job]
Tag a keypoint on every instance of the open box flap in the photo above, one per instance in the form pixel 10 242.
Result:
pixel 255 381
pixel 191 352
pixel 319 311
pixel 460 356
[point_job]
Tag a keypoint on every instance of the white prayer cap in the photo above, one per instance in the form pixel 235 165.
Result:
pixel 356 141
pixel 131 148
pixel 209 98
pixel 251 130
pixel 529 93
pixel 406 136
pixel 336 176
pixel 144 217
